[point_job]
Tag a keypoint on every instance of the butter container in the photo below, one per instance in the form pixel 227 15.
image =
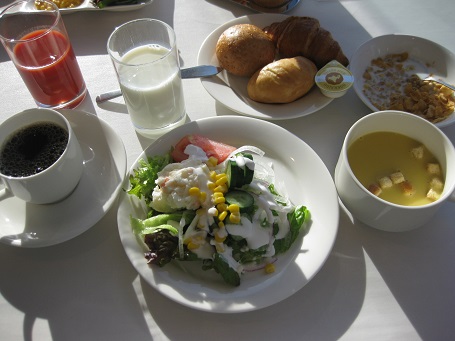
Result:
pixel 334 80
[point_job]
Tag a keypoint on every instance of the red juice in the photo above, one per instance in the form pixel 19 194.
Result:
pixel 49 68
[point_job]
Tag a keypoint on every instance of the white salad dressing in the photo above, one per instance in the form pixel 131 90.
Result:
pixel 255 234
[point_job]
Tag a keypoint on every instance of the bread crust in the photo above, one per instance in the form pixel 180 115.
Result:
pixel 282 81
pixel 243 49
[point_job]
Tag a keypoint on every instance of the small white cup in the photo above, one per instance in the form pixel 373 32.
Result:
pixel 374 211
pixel 58 180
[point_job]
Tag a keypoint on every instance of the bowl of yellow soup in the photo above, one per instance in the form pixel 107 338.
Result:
pixel 395 170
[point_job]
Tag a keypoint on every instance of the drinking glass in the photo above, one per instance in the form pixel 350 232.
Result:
pixel 39 46
pixel 145 57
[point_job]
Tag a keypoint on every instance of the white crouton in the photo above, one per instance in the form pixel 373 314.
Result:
pixel 375 189
pixel 433 195
pixel 436 184
pixel 433 168
pixel 385 182
pixel 417 152
pixel 407 188
pixel 397 178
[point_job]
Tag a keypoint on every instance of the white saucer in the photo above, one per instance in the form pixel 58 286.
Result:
pixel 30 225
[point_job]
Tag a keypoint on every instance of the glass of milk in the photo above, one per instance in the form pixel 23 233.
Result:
pixel 145 57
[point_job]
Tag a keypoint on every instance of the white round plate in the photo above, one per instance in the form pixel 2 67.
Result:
pixel 231 91
pixel 436 59
pixel 30 225
pixel 307 181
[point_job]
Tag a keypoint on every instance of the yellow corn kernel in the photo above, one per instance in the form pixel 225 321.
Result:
pixel 211 185
pixel 221 225
pixel 213 175
pixel 219 238
pixel 269 268
pixel 222 188
pixel 222 215
pixel 192 246
pixel 219 200
pixel 219 247
pixel 212 161
pixel 202 196
pixel 220 175
pixel 234 218
pixel 218 195
pixel 194 191
pixel 233 208
pixel 222 207
pixel 221 180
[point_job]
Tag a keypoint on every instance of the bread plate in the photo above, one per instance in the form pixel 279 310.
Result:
pixel 231 91
pixel 428 57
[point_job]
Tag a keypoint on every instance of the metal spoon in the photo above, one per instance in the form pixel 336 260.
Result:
pixel 191 72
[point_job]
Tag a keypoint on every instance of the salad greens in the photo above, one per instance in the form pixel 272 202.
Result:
pixel 245 230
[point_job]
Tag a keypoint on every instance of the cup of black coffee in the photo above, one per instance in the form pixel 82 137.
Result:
pixel 40 157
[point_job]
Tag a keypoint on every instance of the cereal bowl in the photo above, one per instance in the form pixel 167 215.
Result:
pixel 427 57
pixel 372 209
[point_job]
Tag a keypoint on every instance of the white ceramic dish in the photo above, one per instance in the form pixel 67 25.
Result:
pixel 307 181
pixel 231 90
pixel 433 58
pixel 28 225
pixel 88 6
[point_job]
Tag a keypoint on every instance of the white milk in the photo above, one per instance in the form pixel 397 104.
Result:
pixel 152 87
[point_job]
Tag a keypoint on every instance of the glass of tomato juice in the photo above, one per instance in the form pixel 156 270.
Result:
pixel 38 44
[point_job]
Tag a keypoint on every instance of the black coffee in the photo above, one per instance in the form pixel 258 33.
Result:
pixel 32 149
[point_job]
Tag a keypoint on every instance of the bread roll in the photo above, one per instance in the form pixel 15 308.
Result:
pixel 243 49
pixel 282 81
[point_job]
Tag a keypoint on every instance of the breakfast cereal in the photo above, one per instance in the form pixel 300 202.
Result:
pixel 390 84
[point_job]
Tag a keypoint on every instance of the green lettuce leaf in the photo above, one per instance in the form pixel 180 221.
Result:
pixel 297 220
pixel 143 178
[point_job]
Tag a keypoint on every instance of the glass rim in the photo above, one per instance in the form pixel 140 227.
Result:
pixel 119 61
pixel 20 5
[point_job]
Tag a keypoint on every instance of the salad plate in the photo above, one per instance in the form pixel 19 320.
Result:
pixel 31 226
pixel 307 182
pixel 231 91
pixel 426 56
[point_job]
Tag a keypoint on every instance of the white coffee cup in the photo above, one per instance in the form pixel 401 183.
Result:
pixel 374 211
pixel 56 181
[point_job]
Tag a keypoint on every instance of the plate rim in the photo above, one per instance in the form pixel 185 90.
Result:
pixel 358 81
pixel 268 294
pixel 74 116
pixel 203 58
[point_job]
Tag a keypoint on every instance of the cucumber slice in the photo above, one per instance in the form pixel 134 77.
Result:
pixel 239 176
pixel 248 173
pixel 232 173
pixel 242 198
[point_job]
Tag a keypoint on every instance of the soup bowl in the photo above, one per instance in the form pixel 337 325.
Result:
pixel 371 209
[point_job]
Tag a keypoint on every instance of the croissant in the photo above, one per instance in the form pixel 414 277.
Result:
pixel 304 36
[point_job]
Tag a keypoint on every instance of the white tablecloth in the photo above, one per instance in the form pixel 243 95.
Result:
pixel 374 285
